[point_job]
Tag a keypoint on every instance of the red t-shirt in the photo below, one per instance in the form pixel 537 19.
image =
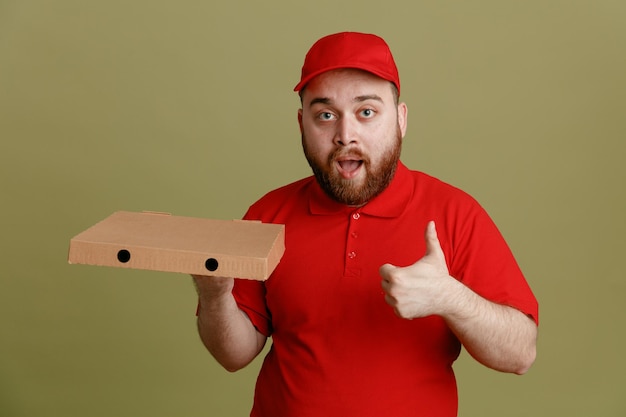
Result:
pixel 337 348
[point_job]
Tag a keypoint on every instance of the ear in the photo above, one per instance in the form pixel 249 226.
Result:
pixel 402 117
pixel 300 120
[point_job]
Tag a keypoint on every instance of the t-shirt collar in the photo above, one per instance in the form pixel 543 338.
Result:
pixel 390 203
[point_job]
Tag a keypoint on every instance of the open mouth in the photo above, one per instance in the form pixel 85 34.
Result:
pixel 348 168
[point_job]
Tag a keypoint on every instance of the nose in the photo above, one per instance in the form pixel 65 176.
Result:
pixel 347 132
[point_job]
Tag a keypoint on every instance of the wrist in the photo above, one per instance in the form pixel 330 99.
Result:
pixel 457 301
pixel 213 290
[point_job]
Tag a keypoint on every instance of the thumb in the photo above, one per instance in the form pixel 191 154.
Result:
pixel 433 247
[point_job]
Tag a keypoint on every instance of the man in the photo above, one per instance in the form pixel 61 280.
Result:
pixel 386 272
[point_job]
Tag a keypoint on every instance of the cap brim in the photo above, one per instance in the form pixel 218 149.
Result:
pixel 303 82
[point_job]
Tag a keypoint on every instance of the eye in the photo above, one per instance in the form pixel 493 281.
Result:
pixel 326 116
pixel 367 113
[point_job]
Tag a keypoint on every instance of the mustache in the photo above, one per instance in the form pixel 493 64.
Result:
pixel 348 153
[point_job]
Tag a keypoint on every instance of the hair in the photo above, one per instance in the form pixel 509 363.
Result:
pixel 395 93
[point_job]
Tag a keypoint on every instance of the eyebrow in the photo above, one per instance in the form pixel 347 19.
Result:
pixel 321 100
pixel 358 99
pixel 368 97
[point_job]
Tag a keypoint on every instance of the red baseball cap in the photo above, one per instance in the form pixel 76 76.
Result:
pixel 349 50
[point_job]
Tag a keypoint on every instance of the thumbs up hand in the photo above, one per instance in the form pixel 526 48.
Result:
pixel 418 290
pixel 498 336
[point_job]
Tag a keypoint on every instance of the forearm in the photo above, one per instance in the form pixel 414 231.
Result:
pixel 497 336
pixel 226 331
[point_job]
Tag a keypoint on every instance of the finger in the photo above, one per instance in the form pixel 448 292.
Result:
pixel 385 285
pixel 386 270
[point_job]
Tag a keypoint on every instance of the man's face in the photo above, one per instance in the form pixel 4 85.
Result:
pixel 352 132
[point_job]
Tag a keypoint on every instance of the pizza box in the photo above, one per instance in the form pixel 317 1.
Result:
pixel 189 245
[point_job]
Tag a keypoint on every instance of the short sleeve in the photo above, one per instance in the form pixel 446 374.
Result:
pixel 483 261
pixel 250 297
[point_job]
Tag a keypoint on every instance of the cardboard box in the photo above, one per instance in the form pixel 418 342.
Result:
pixel 162 242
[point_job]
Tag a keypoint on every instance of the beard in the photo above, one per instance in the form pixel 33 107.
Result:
pixel 350 191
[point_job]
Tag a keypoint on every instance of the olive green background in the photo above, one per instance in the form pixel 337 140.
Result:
pixel 187 107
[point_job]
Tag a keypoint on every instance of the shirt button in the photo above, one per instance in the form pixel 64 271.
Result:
pixel 354 234
pixel 352 255
pixel 356 216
